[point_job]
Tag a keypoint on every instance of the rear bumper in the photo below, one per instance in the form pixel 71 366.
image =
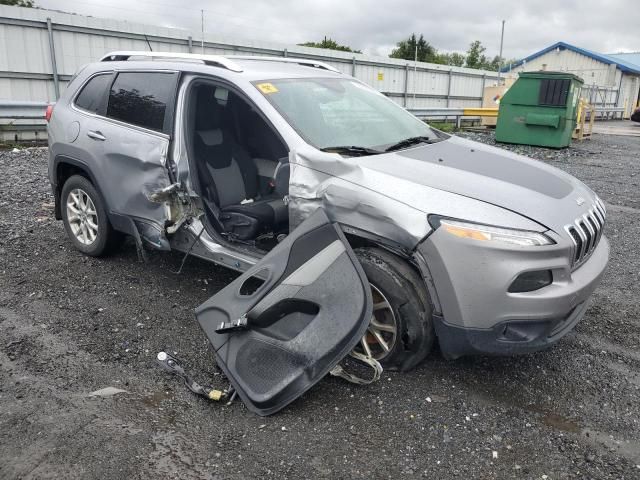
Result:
pixel 477 313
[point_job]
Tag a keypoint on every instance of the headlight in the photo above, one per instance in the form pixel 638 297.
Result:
pixel 486 233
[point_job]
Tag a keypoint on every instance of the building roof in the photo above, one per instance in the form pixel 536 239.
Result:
pixel 620 60
pixel 631 57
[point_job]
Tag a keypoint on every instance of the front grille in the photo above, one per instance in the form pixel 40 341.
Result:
pixel 586 231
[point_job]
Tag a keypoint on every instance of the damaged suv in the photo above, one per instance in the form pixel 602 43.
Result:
pixel 356 224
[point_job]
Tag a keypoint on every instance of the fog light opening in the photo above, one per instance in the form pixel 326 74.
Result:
pixel 531 281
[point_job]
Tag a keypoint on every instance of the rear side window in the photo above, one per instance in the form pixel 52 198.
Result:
pixel 145 99
pixel 92 95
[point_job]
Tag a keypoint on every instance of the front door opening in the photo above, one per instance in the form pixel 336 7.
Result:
pixel 237 156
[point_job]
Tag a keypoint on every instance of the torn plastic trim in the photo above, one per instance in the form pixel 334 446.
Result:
pixel 152 234
pixel 179 207
pixel 428 280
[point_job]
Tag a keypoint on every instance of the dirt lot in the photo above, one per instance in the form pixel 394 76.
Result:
pixel 70 325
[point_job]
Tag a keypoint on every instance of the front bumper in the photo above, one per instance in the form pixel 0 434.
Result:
pixel 479 316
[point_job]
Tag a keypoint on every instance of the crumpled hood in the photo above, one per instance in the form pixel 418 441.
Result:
pixel 528 187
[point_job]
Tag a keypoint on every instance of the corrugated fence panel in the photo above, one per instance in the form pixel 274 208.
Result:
pixel 26 73
pixel 31 56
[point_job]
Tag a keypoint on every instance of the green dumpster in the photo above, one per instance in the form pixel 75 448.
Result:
pixel 539 109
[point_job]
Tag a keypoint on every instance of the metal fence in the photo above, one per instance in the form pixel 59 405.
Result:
pixel 42 49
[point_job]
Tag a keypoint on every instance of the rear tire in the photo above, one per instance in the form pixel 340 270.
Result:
pixel 85 218
pixel 393 281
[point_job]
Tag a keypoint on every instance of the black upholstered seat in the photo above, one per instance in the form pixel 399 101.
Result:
pixel 229 176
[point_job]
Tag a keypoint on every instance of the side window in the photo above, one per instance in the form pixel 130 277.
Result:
pixel 91 97
pixel 144 99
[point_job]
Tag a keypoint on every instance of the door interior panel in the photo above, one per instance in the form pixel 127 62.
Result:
pixel 312 308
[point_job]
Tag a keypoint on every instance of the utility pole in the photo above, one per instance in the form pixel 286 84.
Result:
pixel 415 74
pixel 202 25
pixel 501 44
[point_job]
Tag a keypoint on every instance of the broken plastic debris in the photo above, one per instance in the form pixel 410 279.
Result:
pixel 494 454
pixel 107 392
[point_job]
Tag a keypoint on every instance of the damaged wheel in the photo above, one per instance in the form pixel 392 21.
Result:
pixel 401 333
pixel 85 218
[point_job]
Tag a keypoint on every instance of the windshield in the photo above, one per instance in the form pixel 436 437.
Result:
pixel 333 112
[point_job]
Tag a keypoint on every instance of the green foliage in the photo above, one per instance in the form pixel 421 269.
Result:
pixel 475 55
pixel 443 126
pixel 454 59
pixel 474 58
pixel 327 43
pixel 406 49
pixel 18 3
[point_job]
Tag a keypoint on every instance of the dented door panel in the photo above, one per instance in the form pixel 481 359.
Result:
pixel 131 171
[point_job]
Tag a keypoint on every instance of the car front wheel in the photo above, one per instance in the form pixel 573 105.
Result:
pixel 400 333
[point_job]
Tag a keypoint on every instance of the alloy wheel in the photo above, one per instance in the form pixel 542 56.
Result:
pixel 82 216
pixel 382 333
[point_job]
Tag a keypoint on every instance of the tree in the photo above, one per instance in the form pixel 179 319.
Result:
pixel 454 59
pixel 406 49
pixel 18 3
pixel 330 44
pixel 475 56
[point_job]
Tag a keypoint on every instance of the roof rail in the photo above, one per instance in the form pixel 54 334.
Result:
pixel 300 61
pixel 212 60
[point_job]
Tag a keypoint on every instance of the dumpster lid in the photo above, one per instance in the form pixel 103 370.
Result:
pixel 548 74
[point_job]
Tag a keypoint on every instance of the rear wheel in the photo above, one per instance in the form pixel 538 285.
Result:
pixel 85 218
pixel 401 332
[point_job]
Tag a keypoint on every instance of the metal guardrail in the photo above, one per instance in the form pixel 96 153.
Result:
pixel 16 110
pixel 21 111
pixel 457 113
pixel 22 121
pixel 609 112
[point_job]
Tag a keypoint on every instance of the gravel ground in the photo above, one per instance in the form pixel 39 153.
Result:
pixel 70 325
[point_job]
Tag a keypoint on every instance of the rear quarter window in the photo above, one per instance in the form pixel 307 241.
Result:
pixel 145 99
pixel 91 97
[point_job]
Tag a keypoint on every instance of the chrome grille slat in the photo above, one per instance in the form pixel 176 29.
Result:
pixel 585 232
pixel 583 237
pixel 591 233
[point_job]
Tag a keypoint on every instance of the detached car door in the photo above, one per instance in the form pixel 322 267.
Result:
pixel 281 326
pixel 131 138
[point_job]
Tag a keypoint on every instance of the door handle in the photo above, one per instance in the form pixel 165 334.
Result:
pixel 96 135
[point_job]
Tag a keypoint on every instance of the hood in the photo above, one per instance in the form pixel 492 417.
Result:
pixel 528 187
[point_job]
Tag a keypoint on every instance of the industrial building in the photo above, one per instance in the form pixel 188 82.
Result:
pixel 611 81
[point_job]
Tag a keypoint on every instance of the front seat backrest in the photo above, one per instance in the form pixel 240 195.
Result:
pixel 228 165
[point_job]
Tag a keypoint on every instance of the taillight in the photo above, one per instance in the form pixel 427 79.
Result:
pixel 48 112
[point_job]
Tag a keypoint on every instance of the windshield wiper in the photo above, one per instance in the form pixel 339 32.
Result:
pixel 407 142
pixel 351 150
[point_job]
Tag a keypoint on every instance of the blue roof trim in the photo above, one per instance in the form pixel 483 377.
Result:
pixel 623 65
pixel 632 60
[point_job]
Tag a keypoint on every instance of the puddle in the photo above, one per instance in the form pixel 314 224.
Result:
pixel 629 449
pixel 559 422
pixel 155 399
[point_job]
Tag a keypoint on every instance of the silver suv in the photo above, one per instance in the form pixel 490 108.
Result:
pixel 355 223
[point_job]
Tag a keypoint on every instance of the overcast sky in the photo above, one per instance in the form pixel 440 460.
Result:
pixel 375 26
